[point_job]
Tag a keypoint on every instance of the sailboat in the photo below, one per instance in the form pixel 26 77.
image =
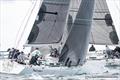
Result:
pixel 104 31
pixel 59 23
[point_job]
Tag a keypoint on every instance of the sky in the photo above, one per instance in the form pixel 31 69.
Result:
pixel 12 16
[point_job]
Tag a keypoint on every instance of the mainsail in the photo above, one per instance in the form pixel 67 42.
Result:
pixel 48 29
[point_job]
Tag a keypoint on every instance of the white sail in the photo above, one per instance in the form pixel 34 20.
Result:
pixel 103 26
pixel 114 8
pixel 16 20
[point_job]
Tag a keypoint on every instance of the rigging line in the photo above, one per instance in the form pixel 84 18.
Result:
pixel 92 38
pixel 26 25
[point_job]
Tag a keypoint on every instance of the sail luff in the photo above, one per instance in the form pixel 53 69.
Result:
pixel 27 24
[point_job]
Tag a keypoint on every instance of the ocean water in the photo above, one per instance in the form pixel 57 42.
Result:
pixel 92 70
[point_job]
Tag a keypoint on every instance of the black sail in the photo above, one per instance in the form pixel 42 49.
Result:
pixel 75 49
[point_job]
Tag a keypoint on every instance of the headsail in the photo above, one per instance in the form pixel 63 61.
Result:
pixel 75 49
pixel 114 8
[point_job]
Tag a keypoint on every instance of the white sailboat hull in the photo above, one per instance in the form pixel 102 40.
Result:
pixel 113 62
pixel 8 67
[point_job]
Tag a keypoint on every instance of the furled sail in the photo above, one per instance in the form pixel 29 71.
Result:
pixel 103 27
